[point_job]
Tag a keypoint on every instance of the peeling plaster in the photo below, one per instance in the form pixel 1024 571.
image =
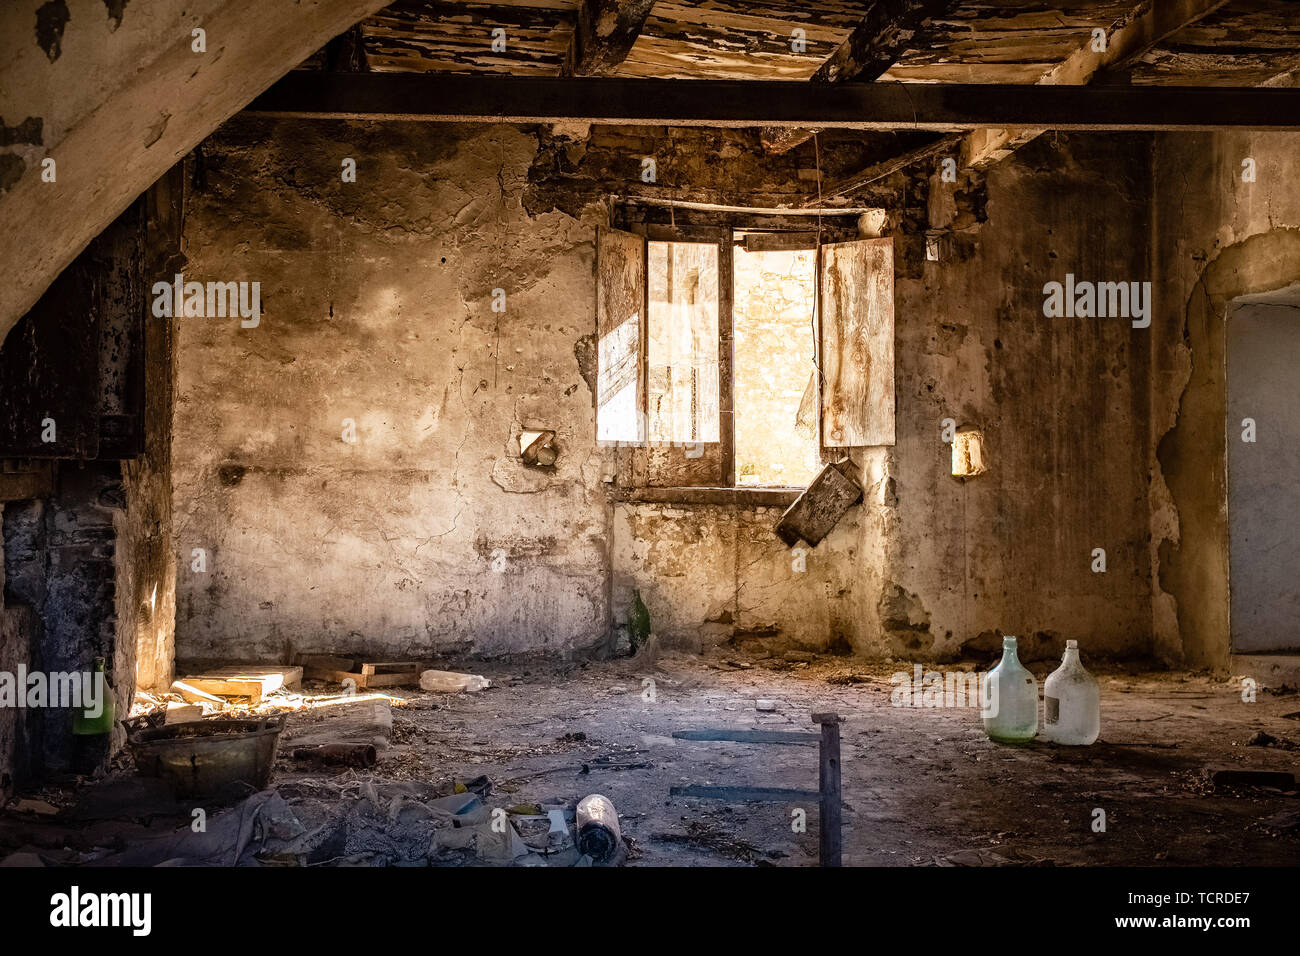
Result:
pixel 51 18
pixel 116 9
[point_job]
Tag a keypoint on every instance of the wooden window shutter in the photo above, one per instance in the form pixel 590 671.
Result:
pixel 620 321
pixel 856 321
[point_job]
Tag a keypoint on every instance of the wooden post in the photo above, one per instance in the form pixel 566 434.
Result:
pixel 828 783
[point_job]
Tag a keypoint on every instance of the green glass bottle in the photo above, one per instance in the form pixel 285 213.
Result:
pixel 86 722
pixel 1009 699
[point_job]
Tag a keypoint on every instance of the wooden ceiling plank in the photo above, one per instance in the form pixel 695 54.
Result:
pixel 1149 22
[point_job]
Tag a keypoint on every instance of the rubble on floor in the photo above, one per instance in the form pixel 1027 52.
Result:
pixel 344 820
pixel 921 786
pixel 324 810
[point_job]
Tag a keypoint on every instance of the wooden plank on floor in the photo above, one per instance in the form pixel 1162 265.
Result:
pixel 364 721
pixel 363 674
pixel 251 681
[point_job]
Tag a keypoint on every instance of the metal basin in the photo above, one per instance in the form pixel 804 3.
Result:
pixel 204 757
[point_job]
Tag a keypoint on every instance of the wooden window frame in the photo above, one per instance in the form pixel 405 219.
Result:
pixel 723 237
pixel 637 477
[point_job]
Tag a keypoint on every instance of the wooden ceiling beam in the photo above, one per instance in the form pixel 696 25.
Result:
pixel 1149 22
pixel 604 35
pixel 851 185
pixel 346 53
pixel 451 97
pixel 887 32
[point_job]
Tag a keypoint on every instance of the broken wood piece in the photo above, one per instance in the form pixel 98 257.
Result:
pixel 321 666
pixel 817 511
pixel 828 793
pixel 365 721
pixel 193 694
pixel 363 675
pixel 338 755
pixel 829 834
pixel 251 681
pixel 391 674
pixel 182 713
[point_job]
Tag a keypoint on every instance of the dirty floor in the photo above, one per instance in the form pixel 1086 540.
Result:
pixel 922 786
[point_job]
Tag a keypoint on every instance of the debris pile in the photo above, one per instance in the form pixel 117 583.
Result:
pixel 354 822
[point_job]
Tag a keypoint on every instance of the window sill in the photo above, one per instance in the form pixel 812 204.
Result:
pixel 742 497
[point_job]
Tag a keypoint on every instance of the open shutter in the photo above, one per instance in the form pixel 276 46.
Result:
pixel 620 301
pixel 857 343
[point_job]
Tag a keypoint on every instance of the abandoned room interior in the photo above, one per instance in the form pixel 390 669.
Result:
pixel 650 433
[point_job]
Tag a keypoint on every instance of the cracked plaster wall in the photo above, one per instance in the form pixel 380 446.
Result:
pixel 1216 237
pixel 377 307
pixel 387 546
pixel 1063 406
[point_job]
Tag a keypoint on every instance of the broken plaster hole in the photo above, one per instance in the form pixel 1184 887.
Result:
pixel 968 452
pixel 537 447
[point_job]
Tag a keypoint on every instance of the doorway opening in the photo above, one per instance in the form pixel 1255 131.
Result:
pixel 1263 432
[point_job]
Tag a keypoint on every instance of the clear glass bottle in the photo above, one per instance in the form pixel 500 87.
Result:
pixel 1071 702
pixel 1009 699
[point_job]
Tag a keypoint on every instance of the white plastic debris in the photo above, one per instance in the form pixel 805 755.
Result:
pixel 449 682
pixel 597 825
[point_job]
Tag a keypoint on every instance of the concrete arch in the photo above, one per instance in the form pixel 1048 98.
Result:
pixel 115 93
